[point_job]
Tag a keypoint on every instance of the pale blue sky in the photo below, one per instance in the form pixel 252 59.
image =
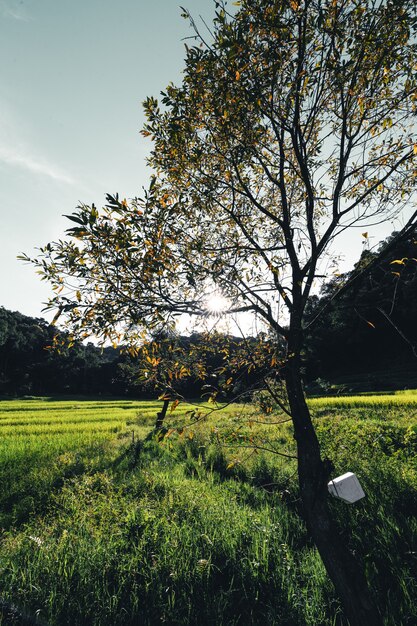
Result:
pixel 72 79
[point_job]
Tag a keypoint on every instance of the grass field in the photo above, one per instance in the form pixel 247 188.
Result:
pixel 100 526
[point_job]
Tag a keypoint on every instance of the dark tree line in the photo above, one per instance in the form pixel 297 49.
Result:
pixel 368 330
pixel 38 359
pixel 30 365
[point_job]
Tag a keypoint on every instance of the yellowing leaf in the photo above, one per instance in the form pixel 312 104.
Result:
pixel 174 405
pixel 237 75
pixel 56 317
pixel 415 148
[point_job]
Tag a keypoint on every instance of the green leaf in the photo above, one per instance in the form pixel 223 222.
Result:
pixel 74 217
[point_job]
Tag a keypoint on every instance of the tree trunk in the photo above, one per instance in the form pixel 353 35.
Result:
pixel 345 572
pixel 160 416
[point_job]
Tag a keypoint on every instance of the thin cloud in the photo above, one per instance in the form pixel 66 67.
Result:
pixel 11 10
pixel 27 162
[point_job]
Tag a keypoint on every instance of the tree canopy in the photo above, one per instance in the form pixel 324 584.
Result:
pixel 294 121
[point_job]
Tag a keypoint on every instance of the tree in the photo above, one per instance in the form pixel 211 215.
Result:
pixel 371 324
pixel 295 120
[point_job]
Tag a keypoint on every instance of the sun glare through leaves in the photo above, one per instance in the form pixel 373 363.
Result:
pixel 216 304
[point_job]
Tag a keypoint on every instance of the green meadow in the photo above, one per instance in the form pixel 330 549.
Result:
pixel 103 525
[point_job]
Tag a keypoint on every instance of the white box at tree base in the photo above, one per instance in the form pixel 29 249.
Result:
pixel 346 487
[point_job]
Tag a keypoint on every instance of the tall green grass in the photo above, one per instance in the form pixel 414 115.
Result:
pixel 102 527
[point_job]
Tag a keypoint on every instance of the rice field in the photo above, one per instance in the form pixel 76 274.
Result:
pixel 31 430
pixel 40 424
pixel 406 399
